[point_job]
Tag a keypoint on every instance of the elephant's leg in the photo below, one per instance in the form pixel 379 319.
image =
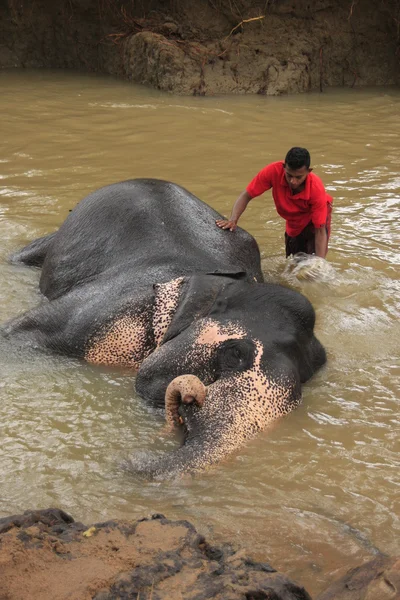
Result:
pixel 87 323
pixel 47 327
pixel 34 253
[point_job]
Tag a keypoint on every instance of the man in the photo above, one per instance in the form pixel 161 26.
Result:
pixel 299 197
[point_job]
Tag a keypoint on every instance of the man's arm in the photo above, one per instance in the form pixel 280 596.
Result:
pixel 238 208
pixel 321 242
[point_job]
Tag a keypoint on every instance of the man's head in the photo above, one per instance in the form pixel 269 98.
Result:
pixel 297 167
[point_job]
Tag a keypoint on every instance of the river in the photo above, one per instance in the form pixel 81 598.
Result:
pixel 320 492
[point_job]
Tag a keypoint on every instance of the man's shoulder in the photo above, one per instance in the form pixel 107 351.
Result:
pixel 278 165
pixel 274 168
pixel 317 187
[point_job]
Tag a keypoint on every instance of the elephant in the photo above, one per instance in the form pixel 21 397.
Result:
pixel 139 276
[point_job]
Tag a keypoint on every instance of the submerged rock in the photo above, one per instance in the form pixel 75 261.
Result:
pixel 378 579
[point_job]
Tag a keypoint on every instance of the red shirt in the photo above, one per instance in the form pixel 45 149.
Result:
pixel 298 210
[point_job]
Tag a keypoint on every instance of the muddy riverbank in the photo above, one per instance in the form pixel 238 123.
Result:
pixel 46 554
pixel 212 46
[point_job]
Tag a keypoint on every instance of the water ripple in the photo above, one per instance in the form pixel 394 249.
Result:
pixel 323 484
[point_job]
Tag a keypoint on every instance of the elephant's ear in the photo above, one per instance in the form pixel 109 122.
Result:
pixel 198 296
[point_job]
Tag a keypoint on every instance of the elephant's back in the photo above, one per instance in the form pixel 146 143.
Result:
pixel 137 226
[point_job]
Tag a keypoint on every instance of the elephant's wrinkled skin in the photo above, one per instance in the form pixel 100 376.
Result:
pixel 139 275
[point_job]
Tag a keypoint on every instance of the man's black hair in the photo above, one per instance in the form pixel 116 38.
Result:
pixel 297 158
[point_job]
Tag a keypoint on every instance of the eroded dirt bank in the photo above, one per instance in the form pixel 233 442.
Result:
pixel 46 555
pixel 210 46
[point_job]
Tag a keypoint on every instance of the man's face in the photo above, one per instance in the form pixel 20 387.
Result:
pixel 296 177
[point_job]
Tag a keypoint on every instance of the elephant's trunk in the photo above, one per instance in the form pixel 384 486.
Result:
pixel 186 389
pixel 195 456
pixel 212 431
pixel 217 420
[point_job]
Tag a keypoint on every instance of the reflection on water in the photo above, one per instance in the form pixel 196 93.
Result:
pixel 317 494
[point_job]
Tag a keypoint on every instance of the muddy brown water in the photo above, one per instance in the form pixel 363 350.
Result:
pixel 317 494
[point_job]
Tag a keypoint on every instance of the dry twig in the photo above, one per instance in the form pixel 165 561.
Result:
pixel 353 4
pixel 241 23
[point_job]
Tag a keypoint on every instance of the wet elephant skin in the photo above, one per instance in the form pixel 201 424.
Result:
pixel 139 276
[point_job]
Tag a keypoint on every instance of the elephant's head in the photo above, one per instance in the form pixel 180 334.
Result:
pixel 232 361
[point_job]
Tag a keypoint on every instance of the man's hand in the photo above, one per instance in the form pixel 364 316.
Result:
pixel 226 224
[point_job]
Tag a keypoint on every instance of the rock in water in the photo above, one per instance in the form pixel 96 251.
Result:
pixel 378 579
pixel 46 555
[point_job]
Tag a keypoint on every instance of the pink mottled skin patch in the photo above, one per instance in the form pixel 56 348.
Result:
pixel 125 342
pixel 165 305
pixel 122 344
pixel 215 333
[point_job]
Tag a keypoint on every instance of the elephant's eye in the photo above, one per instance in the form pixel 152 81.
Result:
pixel 235 355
